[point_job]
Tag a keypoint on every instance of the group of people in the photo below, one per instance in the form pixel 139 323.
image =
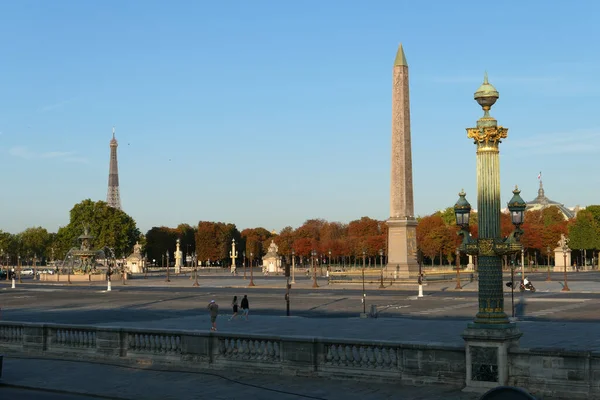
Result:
pixel 213 309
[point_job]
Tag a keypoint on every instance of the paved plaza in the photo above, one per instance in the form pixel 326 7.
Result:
pixel 548 318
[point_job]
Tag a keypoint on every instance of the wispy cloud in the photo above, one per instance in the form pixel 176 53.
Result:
pixel 55 106
pixel 27 154
pixel 577 142
pixel 56 154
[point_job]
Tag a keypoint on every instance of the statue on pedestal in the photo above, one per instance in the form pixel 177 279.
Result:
pixel 178 258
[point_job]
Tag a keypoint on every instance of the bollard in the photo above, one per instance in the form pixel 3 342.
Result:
pixel 13 283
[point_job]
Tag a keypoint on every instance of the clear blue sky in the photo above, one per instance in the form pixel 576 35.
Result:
pixel 267 113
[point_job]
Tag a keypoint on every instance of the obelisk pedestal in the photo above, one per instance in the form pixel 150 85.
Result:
pixel 402 226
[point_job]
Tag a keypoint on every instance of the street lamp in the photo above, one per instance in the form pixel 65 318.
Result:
pixel 313 254
pixel 364 295
pixel 329 264
pixel 489 246
pixel 420 279
pixel 7 262
pixel 108 274
pixel 293 267
pixel 565 248
pixel 548 279
pixel 195 266
pixel 244 254
pixel 457 270
pixel 19 267
pixel 251 270
pixel 167 257
pixel 123 270
pixel 381 262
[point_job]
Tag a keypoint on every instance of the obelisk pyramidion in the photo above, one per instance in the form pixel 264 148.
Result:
pixel 112 196
pixel 402 226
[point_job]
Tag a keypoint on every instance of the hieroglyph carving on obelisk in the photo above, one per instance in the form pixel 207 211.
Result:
pixel 402 226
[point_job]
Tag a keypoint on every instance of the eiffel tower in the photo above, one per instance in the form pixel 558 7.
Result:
pixel 112 197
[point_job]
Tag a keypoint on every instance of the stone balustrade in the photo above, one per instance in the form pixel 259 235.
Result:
pixel 543 372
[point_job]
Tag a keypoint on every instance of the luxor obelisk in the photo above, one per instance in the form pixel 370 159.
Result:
pixel 402 226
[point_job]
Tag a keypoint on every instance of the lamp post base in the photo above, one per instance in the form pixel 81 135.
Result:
pixel 420 291
pixel 486 353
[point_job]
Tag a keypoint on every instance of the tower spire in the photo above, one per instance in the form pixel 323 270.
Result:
pixel 400 57
pixel 113 197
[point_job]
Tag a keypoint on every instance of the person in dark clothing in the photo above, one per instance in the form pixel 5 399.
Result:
pixel 245 306
pixel 234 304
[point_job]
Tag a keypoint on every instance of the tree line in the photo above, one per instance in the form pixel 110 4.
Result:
pixel 211 242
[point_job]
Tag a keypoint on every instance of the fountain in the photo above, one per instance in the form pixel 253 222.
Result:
pixel 80 263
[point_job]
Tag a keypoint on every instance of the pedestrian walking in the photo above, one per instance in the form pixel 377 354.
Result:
pixel 245 306
pixel 213 309
pixel 234 304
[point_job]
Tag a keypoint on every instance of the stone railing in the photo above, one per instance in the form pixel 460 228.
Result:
pixel 197 350
pixel 546 373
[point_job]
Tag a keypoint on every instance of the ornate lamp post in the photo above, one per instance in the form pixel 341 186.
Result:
pixel 548 279
pixel 195 265
pixel 293 266
pixel 19 267
pixel 489 246
pixel 69 270
pixel 7 262
pixel 364 294
pixel 329 263
pixel 313 255
pixel 491 334
pixel 564 245
pixel 381 262
pixel 167 257
pixel 244 254
pixel 251 270
pixel 458 270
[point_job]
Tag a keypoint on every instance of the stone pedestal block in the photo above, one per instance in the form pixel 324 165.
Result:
pixel 402 249
pixel 487 354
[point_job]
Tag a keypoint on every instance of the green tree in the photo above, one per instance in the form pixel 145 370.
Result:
pixel 159 240
pixel 584 232
pixel 35 242
pixel 109 226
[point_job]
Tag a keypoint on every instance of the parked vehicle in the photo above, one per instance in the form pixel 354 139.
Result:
pixel 46 271
pixel 27 272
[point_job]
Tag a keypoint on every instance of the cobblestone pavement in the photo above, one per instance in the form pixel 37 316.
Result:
pixel 129 383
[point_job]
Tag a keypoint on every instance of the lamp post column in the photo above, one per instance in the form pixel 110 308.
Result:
pixel 167 257
pixel 548 279
pixel 458 286
pixel 195 265
pixel 293 267
pixel 364 294
pixel 313 255
pixel 487 136
pixel 251 270
pixel 381 286
pixel 244 254
pixel 566 285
